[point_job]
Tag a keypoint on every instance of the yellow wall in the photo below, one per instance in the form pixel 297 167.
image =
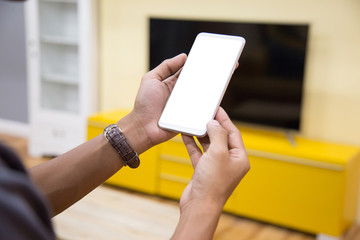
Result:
pixel 331 109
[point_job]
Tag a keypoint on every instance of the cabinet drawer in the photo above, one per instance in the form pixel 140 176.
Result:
pixel 55 139
pixel 175 147
pixel 177 166
pixel 172 186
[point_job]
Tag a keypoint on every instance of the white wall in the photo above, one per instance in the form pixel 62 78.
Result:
pixel 13 83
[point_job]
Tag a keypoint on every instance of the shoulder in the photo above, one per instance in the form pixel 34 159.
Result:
pixel 24 212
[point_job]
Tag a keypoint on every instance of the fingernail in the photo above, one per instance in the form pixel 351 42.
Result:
pixel 214 122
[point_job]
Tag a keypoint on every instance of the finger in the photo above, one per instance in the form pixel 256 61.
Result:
pixel 168 67
pixel 205 142
pixel 235 139
pixel 217 134
pixel 170 81
pixel 193 150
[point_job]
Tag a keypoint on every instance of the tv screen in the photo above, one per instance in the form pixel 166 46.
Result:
pixel 267 87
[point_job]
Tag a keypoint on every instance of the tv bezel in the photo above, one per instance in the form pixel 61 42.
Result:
pixel 237 121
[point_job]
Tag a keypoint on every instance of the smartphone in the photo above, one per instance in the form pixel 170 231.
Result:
pixel 202 82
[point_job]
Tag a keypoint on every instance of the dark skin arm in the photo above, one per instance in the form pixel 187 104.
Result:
pixel 66 179
pixel 69 177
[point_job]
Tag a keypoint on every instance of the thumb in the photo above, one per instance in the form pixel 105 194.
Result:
pixel 218 135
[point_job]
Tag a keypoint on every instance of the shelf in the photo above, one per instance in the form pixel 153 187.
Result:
pixel 59 18
pixel 68 102
pixel 59 52
pixel 61 60
pixel 59 78
pixel 59 1
pixel 59 40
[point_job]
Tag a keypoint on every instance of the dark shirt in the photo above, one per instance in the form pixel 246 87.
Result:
pixel 24 213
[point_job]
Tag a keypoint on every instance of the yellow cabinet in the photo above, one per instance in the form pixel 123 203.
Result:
pixel 294 182
pixel 175 168
pixel 308 185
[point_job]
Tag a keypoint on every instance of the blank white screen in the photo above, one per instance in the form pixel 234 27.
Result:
pixel 202 82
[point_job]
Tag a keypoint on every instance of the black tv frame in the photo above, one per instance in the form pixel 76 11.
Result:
pixel 267 87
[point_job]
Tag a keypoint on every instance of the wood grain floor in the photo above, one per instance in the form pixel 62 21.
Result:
pixel 114 213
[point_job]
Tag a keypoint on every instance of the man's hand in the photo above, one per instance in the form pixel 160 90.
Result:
pixel 217 172
pixel 220 168
pixel 155 89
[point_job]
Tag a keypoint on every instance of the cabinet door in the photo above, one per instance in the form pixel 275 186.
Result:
pixel 295 195
pixel 59 55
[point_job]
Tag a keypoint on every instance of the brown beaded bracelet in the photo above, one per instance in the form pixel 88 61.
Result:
pixel 117 139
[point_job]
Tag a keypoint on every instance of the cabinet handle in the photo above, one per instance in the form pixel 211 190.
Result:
pixel 174 178
pixel 295 160
pixel 58 133
pixel 182 160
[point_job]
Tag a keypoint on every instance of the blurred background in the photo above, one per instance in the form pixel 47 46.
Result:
pixel 93 54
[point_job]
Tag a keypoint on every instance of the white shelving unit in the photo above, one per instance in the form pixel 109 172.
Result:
pixel 61 50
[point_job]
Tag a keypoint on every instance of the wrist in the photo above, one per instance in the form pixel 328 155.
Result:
pixel 134 133
pixel 209 208
pixel 198 220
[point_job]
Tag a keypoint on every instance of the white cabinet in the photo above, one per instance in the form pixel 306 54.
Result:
pixel 62 76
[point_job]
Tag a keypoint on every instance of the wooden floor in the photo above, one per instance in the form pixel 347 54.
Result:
pixel 113 213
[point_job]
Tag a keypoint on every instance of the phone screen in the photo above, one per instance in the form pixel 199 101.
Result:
pixel 202 83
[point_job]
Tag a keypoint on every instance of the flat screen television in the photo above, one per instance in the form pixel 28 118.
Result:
pixel 267 87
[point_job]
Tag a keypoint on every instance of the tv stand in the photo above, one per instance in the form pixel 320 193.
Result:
pixel 311 186
pixel 290 137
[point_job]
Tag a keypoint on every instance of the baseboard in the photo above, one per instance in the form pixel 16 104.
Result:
pixel 14 128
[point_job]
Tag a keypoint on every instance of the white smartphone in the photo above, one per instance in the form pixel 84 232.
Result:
pixel 202 83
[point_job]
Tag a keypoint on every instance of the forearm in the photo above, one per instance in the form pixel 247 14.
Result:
pixel 198 221
pixel 66 179
pixel 69 177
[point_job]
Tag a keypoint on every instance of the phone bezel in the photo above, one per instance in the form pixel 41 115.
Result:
pixel 195 131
